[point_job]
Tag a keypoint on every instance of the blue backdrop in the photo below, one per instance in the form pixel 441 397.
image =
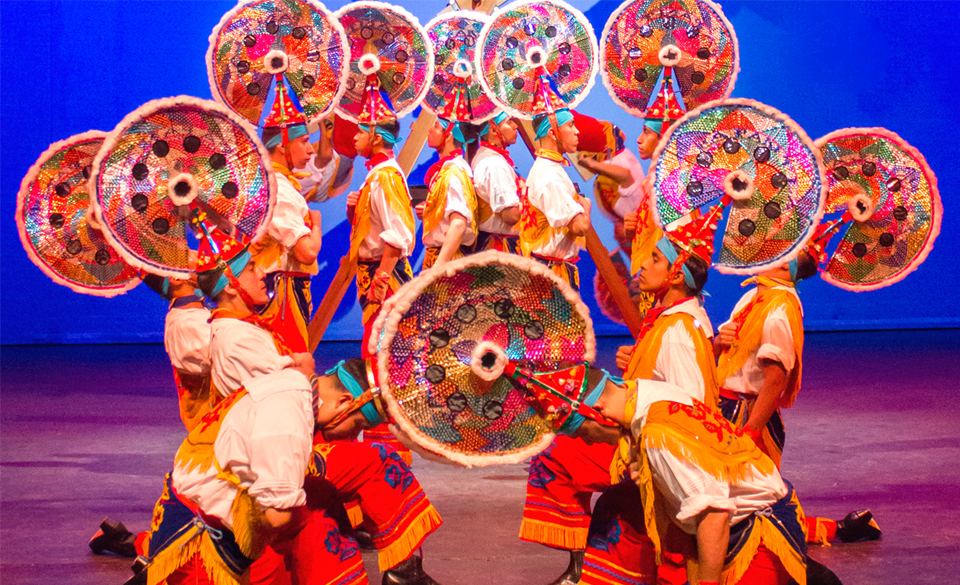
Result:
pixel 68 67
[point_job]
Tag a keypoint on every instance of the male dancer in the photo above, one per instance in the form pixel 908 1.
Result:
pixel 288 253
pixel 554 218
pixel 498 187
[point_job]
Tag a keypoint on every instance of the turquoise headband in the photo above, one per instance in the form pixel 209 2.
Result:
pixel 236 267
pixel 575 420
pixel 670 253
pixel 654 124
pixel 293 132
pixel 388 137
pixel 369 410
pixel 457 130
pixel 543 126
pixel 792 266
pixel 496 121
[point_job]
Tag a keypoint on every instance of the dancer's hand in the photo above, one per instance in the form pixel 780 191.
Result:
pixel 623 356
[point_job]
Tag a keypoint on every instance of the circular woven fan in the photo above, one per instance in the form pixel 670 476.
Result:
pixel 259 39
pixel 453 37
pixel 550 31
pixel 53 218
pixel 389 40
pixel 638 31
pixel 168 157
pixel 879 165
pixel 445 338
pixel 763 160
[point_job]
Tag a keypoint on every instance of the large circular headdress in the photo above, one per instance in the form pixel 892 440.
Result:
pixel 57 226
pixel 754 158
pixel 447 339
pixel 262 40
pixel 530 37
pixel 453 38
pixel 889 196
pixel 692 37
pixel 169 159
pixel 389 42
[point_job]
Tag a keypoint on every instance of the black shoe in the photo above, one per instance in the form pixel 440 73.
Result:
pixel 113 537
pixel 409 572
pixel 857 526
pixel 139 568
pixel 572 575
pixel 363 538
pixel 818 574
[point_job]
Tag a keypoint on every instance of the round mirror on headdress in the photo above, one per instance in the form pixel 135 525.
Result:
pixel 890 206
pixel 388 42
pixel 261 41
pixel 453 39
pixel 58 227
pixel 647 43
pixel 753 159
pixel 529 43
pixel 450 336
pixel 171 162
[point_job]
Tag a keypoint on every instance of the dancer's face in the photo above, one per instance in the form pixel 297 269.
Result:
pixel 251 280
pixel 569 137
pixel 647 143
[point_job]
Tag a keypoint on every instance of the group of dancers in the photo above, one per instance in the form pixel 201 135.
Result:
pixel 684 443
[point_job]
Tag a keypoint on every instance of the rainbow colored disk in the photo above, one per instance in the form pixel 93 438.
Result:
pixel 56 223
pixel 781 189
pixel 902 200
pixel 388 41
pixel 445 341
pixel 453 37
pixel 527 36
pixel 258 40
pixel 636 33
pixel 165 160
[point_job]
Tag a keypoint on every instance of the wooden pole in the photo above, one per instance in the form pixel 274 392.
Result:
pixel 331 300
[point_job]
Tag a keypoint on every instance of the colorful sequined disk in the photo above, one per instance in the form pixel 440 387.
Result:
pixel 54 221
pixel 453 38
pixel 907 211
pixel 430 337
pixel 158 151
pixel 298 39
pixel 510 41
pixel 773 223
pixel 638 30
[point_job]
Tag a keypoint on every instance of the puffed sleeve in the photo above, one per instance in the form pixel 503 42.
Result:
pixel 499 183
pixel 688 489
pixel 287 225
pixel 677 362
pixel 395 231
pixel 456 200
pixel 557 203
pixel 776 343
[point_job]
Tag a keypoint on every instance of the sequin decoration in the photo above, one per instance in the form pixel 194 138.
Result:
pixel 527 36
pixel 298 39
pixel 775 222
pixel 430 335
pixel 453 38
pixel 207 152
pixel 400 45
pixel 53 218
pixel 639 29
pixel 907 211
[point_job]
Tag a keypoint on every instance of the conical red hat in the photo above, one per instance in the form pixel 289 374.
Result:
pixel 696 236
pixel 456 108
pixel 375 108
pixel 560 393
pixel 545 100
pixel 817 248
pixel 283 114
pixel 223 247
pixel 665 108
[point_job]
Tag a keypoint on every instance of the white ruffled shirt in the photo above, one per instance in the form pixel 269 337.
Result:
pixel 686 489
pixel 496 183
pixel 240 352
pixel 630 195
pixel 287 226
pixel 385 225
pixel 317 186
pixel 550 190
pixel 776 344
pixel 266 440
pixel 186 337
pixel 677 360
pixel 456 203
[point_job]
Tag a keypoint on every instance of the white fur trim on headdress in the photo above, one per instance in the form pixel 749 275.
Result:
pixel 860 207
pixel 182 189
pixel 669 55
pixel 369 64
pixel 462 69
pixel 481 354
pixel 738 185
pixel 276 61
pixel 536 56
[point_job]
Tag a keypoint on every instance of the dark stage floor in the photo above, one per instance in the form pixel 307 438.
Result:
pixel 89 431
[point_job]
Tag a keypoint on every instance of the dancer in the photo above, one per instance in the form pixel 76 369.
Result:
pixel 288 254
pixel 498 187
